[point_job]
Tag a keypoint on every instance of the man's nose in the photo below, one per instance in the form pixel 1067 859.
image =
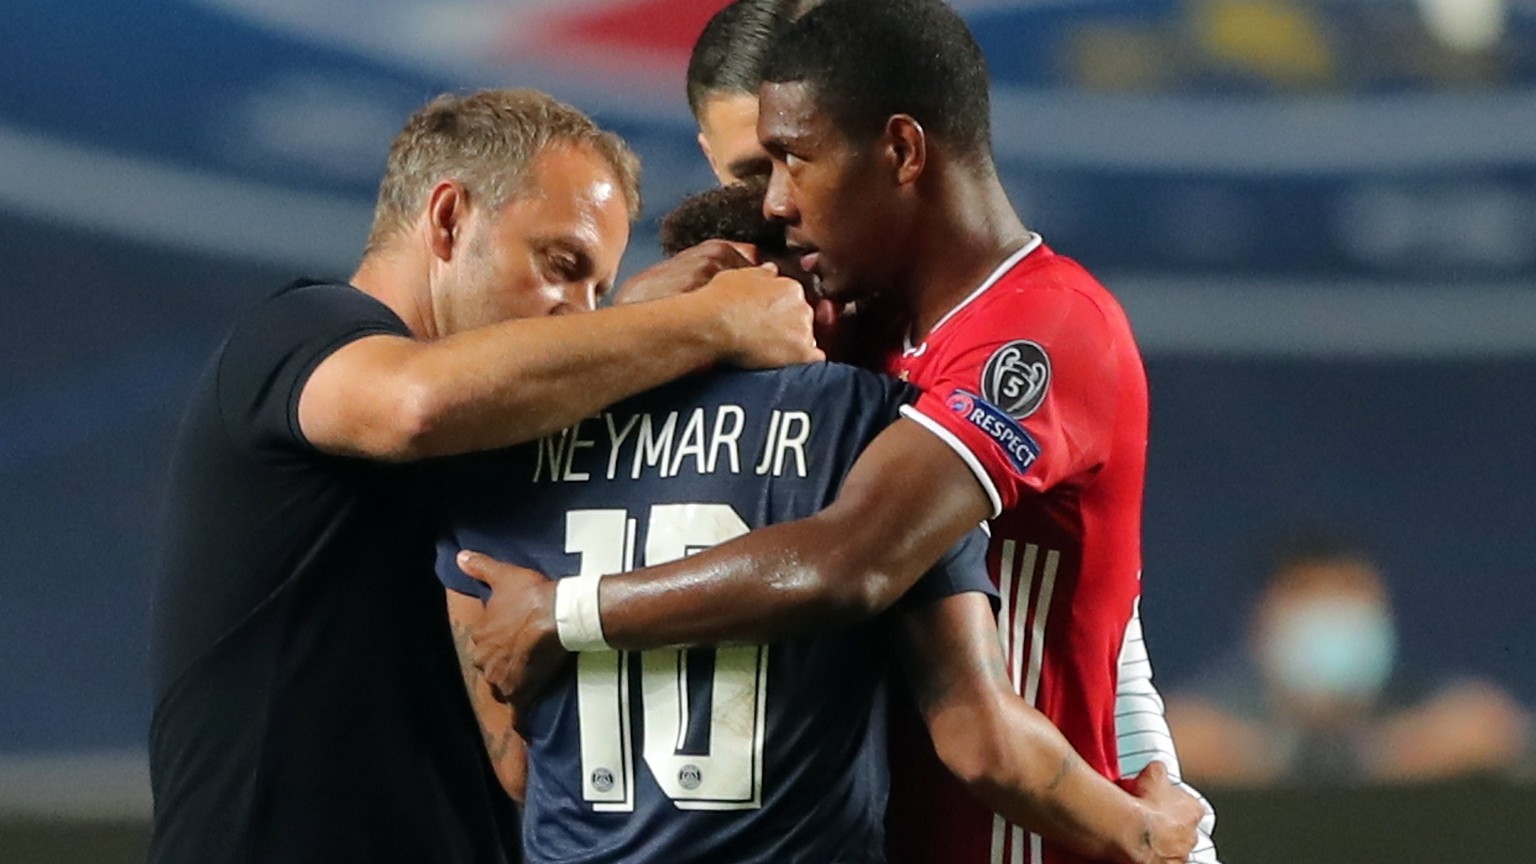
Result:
pixel 777 204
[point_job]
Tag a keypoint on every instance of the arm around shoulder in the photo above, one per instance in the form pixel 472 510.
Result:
pixel 398 399
pixel 907 499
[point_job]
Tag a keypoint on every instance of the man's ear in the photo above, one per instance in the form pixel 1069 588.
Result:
pixel 709 156
pixel 447 211
pixel 907 147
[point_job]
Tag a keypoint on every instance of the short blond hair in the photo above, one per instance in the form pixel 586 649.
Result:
pixel 487 140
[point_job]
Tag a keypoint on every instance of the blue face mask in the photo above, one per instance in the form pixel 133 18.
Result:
pixel 1334 648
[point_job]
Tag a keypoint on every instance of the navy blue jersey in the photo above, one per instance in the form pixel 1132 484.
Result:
pixel 771 753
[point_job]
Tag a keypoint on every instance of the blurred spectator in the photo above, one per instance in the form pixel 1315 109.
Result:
pixel 1317 695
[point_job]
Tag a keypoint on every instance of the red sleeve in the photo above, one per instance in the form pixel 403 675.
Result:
pixel 1024 389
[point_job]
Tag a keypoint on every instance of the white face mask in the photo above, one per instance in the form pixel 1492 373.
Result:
pixel 1335 648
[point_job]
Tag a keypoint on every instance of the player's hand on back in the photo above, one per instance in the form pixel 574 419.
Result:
pixel 686 271
pixel 514 643
pixel 764 318
pixel 1173 815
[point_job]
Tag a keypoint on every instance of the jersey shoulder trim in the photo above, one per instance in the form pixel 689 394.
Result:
pixel 964 452
pixel 1035 242
pixel 1055 273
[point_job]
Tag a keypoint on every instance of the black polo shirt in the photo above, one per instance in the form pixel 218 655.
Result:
pixel 308 705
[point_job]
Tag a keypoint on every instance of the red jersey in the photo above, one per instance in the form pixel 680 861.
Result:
pixel 1036 382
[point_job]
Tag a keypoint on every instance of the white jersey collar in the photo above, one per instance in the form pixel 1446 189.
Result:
pixel 1034 242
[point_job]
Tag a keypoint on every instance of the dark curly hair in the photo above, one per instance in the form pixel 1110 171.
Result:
pixel 732 212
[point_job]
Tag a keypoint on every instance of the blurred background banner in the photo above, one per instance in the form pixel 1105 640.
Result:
pixel 1320 214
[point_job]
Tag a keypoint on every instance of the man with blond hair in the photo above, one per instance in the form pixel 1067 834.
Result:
pixel 306 705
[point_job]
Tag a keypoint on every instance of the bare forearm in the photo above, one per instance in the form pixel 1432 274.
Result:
pixel 502 385
pixel 906 501
pixel 899 509
pixel 1007 753
pixel 755 589
pixel 503 747
pixel 1036 779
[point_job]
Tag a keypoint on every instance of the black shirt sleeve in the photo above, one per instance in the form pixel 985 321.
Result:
pixel 963 568
pixel 271 353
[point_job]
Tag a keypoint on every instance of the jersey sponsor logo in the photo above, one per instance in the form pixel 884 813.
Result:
pixel 1020 447
pixel 1016 377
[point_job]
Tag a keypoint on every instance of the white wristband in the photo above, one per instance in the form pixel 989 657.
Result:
pixel 577 621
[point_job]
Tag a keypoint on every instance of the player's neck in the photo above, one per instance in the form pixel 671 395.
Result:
pixel 391 277
pixel 973 230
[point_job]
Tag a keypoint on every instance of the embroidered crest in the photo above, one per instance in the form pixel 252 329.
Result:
pixel 1016 378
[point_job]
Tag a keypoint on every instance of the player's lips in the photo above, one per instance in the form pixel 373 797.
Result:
pixel 809 256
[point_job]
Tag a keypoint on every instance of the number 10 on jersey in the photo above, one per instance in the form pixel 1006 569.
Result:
pixel 729 776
